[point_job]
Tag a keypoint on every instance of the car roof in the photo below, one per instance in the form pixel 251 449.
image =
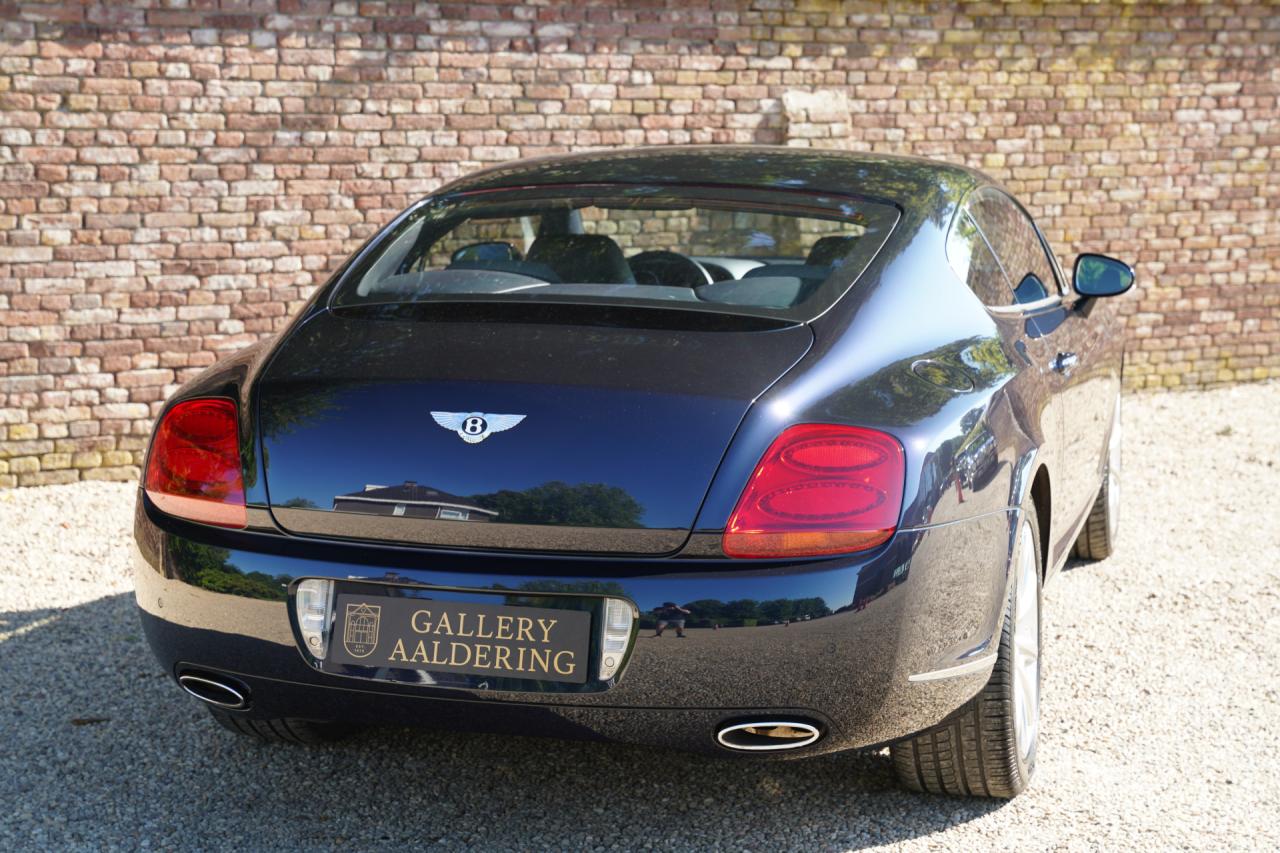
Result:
pixel 913 182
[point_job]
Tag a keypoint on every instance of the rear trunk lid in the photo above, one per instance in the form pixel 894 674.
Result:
pixel 503 434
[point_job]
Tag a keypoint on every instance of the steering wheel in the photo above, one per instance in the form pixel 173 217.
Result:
pixel 668 269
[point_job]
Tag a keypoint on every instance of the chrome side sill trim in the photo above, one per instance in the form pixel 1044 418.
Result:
pixel 1051 301
pixel 966 668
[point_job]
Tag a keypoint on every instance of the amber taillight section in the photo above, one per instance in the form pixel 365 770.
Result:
pixel 819 489
pixel 194 468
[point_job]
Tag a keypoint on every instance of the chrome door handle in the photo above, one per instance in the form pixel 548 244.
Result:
pixel 1064 362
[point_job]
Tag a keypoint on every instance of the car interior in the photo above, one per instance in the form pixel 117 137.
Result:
pixel 762 259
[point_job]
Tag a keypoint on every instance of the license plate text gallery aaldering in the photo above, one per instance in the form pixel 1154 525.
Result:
pixel 533 661
pixel 518 642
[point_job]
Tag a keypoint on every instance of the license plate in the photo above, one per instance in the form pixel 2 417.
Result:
pixel 448 636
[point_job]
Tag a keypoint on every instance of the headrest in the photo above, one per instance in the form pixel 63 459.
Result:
pixel 582 258
pixel 829 251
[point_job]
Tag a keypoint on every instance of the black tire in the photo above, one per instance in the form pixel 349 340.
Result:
pixel 1097 539
pixel 975 751
pixel 279 730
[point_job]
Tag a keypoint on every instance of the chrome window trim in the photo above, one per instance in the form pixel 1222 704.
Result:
pixel 990 248
pixel 1054 267
pixel 1059 276
pixel 1020 308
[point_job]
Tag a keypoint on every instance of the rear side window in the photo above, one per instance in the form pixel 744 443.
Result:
pixel 786 255
pixel 973 261
pixel 1016 243
pixel 995 248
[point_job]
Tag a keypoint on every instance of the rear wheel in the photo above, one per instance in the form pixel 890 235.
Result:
pixel 279 730
pixel 1097 538
pixel 988 747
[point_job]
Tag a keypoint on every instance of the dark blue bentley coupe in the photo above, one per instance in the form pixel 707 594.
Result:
pixel 751 450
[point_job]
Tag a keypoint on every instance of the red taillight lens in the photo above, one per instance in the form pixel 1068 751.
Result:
pixel 819 489
pixel 194 468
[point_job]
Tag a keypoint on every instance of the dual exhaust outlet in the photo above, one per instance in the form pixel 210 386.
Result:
pixel 750 736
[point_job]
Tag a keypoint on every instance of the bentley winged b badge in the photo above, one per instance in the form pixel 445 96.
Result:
pixel 475 427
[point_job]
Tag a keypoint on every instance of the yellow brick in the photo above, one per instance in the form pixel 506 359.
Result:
pixel 54 461
pixel 86 459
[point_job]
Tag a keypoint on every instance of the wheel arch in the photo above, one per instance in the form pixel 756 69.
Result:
pixel 1041 497
pixel 1033 483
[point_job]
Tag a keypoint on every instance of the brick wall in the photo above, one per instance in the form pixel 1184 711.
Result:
pixel 175 177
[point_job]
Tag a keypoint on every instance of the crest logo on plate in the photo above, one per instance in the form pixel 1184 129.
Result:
pixel 360 634
pixel 475 427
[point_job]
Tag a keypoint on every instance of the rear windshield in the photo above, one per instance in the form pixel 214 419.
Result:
pixel 787 255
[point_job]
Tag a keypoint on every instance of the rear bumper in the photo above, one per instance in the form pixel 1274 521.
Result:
pixel 931 600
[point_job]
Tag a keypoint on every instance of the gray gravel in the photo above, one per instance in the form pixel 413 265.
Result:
pixel 1161 724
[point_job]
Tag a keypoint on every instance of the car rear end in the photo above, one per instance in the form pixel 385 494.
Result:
pixel 467 484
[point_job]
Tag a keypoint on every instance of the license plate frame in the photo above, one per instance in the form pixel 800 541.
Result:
pixel 407 629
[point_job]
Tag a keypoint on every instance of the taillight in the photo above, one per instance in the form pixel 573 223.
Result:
pixel 819 489
pixel 194 468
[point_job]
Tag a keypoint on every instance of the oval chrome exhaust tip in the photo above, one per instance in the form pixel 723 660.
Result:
pixel 215 691
pixel 768 735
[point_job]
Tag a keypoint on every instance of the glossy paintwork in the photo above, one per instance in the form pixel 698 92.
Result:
pixel 848 667
pixel 631 422
pixel 986 418
pixel 921 187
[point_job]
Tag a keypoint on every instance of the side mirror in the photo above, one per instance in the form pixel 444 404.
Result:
pixel 1098 275
pixel 496 251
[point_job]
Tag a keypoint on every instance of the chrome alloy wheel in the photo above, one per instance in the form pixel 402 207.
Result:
pixel 1026 646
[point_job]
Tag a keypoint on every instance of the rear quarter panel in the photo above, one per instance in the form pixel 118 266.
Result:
pixel 912 352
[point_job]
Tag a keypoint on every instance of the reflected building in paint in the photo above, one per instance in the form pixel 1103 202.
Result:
pixel 411 500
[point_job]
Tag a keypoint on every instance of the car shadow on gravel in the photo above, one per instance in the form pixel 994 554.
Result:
pixel 102 748
pixel 1074 563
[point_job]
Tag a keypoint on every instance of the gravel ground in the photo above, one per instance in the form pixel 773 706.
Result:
pixel 1161 725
